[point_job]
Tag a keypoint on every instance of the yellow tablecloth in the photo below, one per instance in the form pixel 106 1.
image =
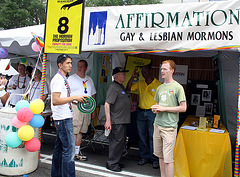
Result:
pixel 202 153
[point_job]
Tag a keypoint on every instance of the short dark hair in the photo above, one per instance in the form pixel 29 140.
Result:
pixel 61 58
pixel 85 63
pixel 22 65
pixel 30 69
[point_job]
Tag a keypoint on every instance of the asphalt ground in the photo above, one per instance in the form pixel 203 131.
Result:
pixel 95 166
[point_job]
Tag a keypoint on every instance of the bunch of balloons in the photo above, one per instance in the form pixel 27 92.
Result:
pixel 27 118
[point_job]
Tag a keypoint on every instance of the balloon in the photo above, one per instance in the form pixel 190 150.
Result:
pixel 3 53
pixel 24 61
pixel 37 121
pixel 36 47
pixel 16 123
pixel 8 67
pixel 21 104
pixel 25 133
pixel 12 140
pixel 32 145
pixel 37 106
pixel 24 114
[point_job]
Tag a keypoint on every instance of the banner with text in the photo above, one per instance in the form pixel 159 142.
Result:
pixel 64 26
pixel 187 26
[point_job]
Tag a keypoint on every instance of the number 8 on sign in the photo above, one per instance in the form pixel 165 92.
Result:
pixel 63 27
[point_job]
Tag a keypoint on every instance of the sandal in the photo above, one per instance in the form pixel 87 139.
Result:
pixel 80 157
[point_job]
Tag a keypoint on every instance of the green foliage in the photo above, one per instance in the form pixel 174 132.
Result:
pixel 20 13
pixel 94 3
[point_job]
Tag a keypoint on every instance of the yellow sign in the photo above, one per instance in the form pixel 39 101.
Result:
pixel 105 68
pixel 63 27
pixel 135 63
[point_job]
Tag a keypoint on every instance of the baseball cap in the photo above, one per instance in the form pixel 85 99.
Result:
pixel 119 70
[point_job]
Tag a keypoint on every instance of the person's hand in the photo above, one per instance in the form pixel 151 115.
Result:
pixel 81 98
pixel 157 108
pixel 14 86
pixel 135 73
pixel 65 6
pixel 108 125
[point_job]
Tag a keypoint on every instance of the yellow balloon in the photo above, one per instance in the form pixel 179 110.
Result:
pixel 37 106
pixel 25 133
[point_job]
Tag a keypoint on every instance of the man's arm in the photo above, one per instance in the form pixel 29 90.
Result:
pixel 108 123
pixel 4 98
pixel 176 109
pixel 94 113
pixel 56 100
pixel 129 84
pixel 44 97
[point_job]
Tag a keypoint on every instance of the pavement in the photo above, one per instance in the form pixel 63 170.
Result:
pixel 95 166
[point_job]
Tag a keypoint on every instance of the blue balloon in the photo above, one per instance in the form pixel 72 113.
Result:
pixel 12 140
pixel 37 121
pixel 21 104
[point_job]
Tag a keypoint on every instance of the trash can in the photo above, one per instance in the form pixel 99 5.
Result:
pixel 14 161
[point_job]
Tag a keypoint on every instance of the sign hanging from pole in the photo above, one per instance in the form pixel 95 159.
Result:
pixel 63 29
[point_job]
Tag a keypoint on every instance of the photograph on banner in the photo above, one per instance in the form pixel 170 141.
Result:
pixel 63 30
pixel 180 75
pixel 135 63
pixel 105 68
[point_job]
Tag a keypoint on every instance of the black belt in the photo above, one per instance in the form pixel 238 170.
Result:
pixel 144 109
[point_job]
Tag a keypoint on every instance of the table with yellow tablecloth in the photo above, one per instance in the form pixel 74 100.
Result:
pixel 202 153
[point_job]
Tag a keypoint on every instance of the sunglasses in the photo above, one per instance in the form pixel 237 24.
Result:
pixel 62 57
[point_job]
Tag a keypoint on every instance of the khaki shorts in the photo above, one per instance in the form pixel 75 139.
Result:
pixel 164 142
pixel 80 121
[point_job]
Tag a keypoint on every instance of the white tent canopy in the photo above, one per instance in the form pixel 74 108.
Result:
pixel 3 65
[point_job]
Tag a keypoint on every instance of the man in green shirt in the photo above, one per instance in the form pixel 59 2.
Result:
pixel 171 100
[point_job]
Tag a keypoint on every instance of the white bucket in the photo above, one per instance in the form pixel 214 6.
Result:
pixel 14 161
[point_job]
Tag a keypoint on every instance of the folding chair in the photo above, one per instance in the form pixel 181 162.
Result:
pixel 96 134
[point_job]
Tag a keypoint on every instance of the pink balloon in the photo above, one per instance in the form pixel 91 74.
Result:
pixel 36 47
pixel 16 123
pixel 24 114
pixel 32 145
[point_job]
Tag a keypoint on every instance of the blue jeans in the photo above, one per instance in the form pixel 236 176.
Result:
pixel 145 120
pixel 63 164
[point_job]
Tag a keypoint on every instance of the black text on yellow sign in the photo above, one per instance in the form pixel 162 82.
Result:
pixel 63 29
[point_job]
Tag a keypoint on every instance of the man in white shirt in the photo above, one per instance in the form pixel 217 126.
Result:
pixel 81 84
pixel 63 156
pixel 18 84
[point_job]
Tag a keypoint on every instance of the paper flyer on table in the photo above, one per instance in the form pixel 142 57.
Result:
pixel 238 136
pixel 189 127
pixel 216 130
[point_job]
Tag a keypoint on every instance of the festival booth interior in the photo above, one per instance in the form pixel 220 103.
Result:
pixel 19 46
